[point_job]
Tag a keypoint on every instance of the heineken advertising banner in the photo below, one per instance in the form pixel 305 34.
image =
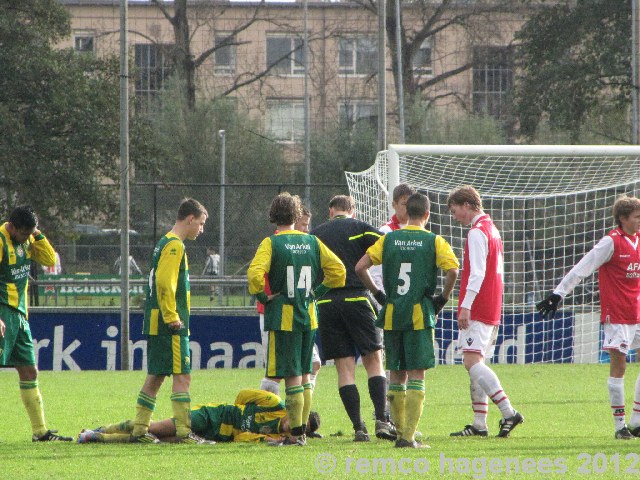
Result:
pixel 84 285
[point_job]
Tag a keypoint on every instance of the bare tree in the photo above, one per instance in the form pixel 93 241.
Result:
pixel 185 26
pixel 467 23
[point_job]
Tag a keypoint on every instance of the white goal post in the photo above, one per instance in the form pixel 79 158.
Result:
pixel 551 203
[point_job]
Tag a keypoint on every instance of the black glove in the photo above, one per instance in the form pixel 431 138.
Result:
pixel 438 303
pixel 549 305
pixel 380 297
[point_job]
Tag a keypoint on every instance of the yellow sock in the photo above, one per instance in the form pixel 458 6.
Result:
pixel 413 406
pixel 144 411
pixel 308 400
pixel 181 406
pixel 32 401
pixel 123 427
pixel 294 403
pixel 396 396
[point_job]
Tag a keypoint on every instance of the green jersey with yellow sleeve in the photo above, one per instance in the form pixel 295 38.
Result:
pixel 410 258
pixel 254 416
pixel 168 297
pixel 15 263
pixel 293 260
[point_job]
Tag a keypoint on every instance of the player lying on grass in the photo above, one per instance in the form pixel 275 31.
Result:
pixel 255 416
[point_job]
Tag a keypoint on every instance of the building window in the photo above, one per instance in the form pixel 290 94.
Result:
pixel 225 55
pixel 492 80
pixel 357 56
pixel 84 42
pixel 285 119
pixel 354 112
pixel 153 67
pixel 422 60
pixel 285 55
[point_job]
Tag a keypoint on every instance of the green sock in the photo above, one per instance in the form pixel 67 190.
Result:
pixel 32 401
pixel 396 395
pixel 308 399
pixel 181 406
pixel 144 411
pixel 294 403
pixel 413 405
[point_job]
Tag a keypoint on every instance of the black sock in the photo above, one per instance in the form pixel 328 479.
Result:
pixel 378 394
pixel 351 401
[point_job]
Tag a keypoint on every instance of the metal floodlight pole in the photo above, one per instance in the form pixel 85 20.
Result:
pixel 635 121
pixel 400 85
pixel 307 122
pixel 223 160
pixel 124 187
pixel 382 78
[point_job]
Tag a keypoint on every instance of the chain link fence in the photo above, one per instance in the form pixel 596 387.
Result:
pixel 94 248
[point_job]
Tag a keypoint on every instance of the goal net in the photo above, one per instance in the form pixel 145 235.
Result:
pixel 551 205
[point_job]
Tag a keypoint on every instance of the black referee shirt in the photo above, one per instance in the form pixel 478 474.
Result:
pixel 349 239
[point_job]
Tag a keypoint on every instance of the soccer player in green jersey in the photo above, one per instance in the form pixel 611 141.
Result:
pixel 292 260
pixel 410 258
pixel 21 242
pixel 254 416
pixel 166 325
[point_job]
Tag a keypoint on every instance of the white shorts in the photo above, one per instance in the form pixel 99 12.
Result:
pixel 265 342
pixel 621 336
pixel 316 355
pixel 478 338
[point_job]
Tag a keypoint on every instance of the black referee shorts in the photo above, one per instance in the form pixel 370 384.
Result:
pixel 346 325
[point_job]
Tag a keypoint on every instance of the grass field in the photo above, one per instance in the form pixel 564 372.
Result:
pixel 568 430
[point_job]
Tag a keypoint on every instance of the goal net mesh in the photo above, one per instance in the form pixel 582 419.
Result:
pixel 550 210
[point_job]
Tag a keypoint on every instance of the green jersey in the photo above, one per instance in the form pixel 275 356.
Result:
pixel 15 263
pixel 410 276
pixel 167 294
pixel 254 414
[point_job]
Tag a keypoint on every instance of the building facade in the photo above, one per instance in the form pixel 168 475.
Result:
pixel 458 58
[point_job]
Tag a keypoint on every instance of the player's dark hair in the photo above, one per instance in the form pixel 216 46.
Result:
pixel 344 203
pixel 285 209
pixel 465 194
pixel 403 190
pixel 418 205
pixel 23 218
pixel 314 422
pixel 190 206
pixel 624 206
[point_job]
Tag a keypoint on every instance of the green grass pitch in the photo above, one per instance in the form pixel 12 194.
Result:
pixel 568 432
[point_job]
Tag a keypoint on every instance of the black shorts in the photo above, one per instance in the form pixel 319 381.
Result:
pixel 347 325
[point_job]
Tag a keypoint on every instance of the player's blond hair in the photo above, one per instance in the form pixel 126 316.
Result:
pixel 624 206
pixel 465 194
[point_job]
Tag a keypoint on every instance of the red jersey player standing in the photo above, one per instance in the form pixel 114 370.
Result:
pixel 617 259
pixel 479 311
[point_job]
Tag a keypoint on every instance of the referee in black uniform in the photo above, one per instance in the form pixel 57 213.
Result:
pixel 346 319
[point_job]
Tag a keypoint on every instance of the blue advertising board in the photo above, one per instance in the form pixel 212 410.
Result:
pixel 91 340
